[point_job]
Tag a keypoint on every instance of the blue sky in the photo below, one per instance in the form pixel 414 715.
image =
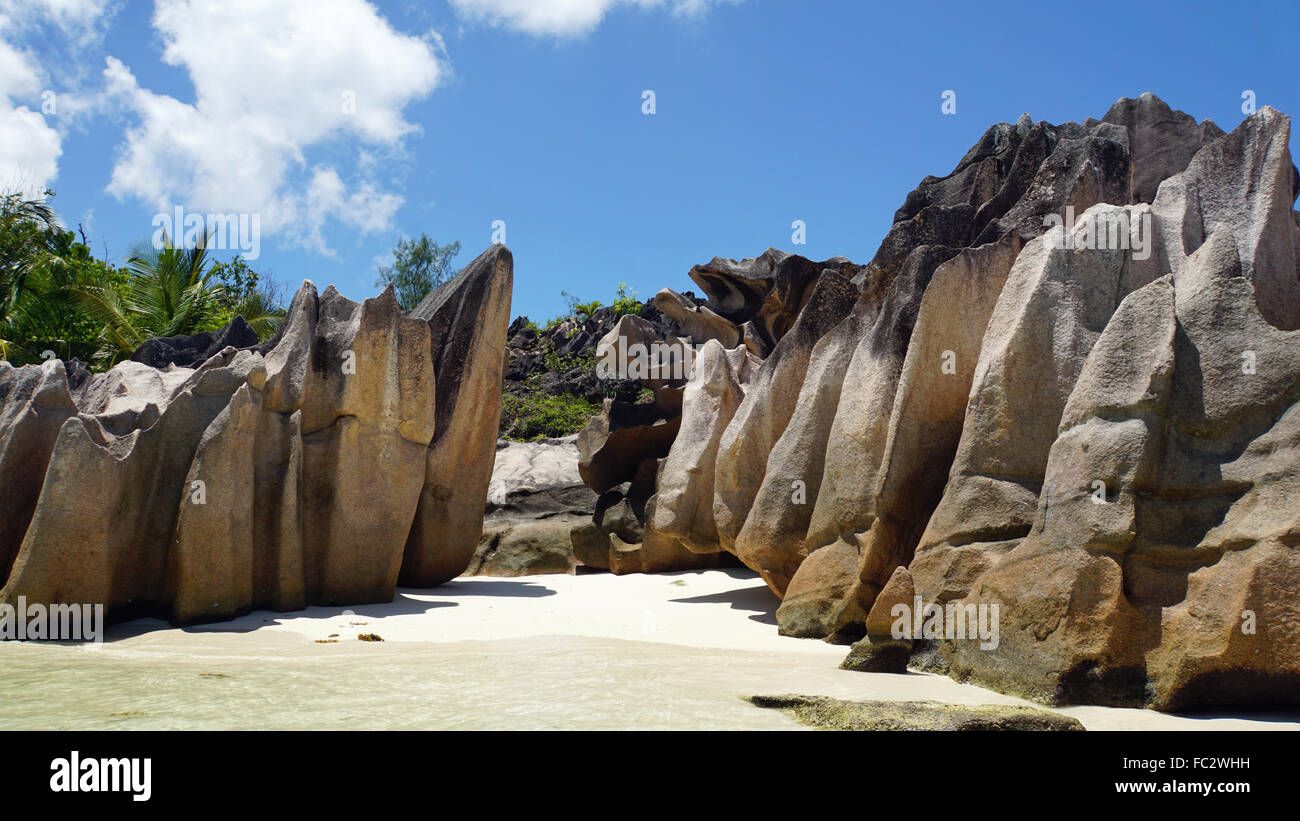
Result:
pixel 530 112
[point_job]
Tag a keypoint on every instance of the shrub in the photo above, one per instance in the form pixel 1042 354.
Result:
pixel 537 415
pixel 626 301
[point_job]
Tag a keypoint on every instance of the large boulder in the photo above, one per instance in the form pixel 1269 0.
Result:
pixel 881 471
pixel 1158 543
pixel 1164 509
pixel 1049 400
pixel 619 441
pixel 364 415
pixel 882 650
pixel 684 487
pixel 821 597
pixel 1161 141
pixel 698 322
pixel 1056 301
pixel 1247 181
pixel 535 499
pixel 771 541
pixel 763 294
pixel 34 404
pixel 529 548
pixel 926 420
pixel 279 475
pixel 467 318
pixel 192 350
pixel 768 404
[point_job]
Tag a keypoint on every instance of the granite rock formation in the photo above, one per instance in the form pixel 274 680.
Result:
pixel 310 469
pixel 657 505
pixel 535 500
pixel 1063 390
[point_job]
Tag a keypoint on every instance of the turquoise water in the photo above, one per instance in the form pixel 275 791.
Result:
pixel 536 683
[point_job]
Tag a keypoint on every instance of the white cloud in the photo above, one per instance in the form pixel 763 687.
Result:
pixel 29 146
pixel 38 99
pixel 71 15
pixel 562 18
pixel 271 81
pixel 61 24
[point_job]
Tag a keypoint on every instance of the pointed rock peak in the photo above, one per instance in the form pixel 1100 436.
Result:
pixel 387 298
pixel 53 367
pixel 334 304
pixel 306 293
pixel 1024 124
pixel 749 267
pixel 1146 102
pixel 473 277
pixel 1268 112
pixel 484 262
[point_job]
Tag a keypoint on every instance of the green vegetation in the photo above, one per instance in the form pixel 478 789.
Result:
pixel 537 415
pixel 170 291
pixel 41 265
pixel 626 302
pixel 56 296
pixel 244 293
pixel 419 266
pixel 557 362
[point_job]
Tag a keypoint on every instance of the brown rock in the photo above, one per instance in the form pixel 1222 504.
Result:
pixel 684 495
pixel 768 405
pixel 34 404
pixel 467 318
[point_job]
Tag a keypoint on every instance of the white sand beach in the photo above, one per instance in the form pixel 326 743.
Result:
pixel 593 651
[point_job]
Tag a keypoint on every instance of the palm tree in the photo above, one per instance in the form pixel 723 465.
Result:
pixel 33 266
pixel 166 293
pixel 55 296
pixel 262 313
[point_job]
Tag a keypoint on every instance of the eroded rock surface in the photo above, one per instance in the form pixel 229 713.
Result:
pixel 535 499
pixel 302 471
pixel 1065 391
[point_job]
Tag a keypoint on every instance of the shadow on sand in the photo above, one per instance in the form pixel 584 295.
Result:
pixel 409 601
pixel 506 589
pixel 758 599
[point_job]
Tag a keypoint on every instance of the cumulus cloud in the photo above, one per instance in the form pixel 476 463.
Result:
pixel 40 98
pixel 70 14
pixel 29 146
pixel 563 18
pixel 272 81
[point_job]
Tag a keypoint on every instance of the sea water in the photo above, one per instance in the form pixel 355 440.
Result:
pixel 548 682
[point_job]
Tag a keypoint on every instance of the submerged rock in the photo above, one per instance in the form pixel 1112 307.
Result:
pixel 836 714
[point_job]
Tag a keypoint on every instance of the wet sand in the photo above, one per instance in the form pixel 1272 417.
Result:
pixel 595 651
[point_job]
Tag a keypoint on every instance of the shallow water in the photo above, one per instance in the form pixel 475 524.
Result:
pixel 671 651
pixel 538 683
